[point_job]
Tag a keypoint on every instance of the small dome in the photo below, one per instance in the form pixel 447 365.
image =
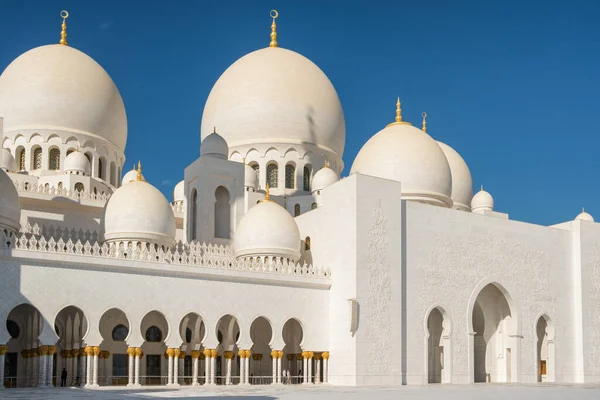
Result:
pixel 60 88
pixel 250 177
pixel 139 212
pixel 403 153
pixel 214 146
pixel 323 178
pixel 178 192
pixel 267 229
pixel 583 216
pixel 77 162
pixel 8 161
pixel 462 183
pixel 130 176
pixel 10 206
pixel 482 201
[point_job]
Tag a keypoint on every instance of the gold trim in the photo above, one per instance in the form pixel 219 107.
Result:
pixel 63 33
pixel 274 15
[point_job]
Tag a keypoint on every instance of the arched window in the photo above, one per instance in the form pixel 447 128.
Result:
pixel 13 328
pixel 79 187
pixel 222 213
pixel 89 157
pixel 313 206
pixel 119 176
pixel 113 174
pixel 101 174
pixel 255 167
pixel 296 210
pixel 70 151
pixel 307 243
pixel 290 176
pixel 194 214
pixel 47 187
pixel 272 175
pixel 37 158
pixel 153 334
pixel 54 159
pixel 22 160
pixel 60 185
pixel 188 335
pixel 119 333
pixel 306 180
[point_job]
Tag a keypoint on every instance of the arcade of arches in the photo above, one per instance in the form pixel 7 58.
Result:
pixel 30 361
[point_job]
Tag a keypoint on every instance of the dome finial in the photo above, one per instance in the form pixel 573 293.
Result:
pixel 267 196
pixel 398 115
pixel 244 160
pixel 481 188
pixel 63 33
pixel 274 15
pixel 424 128
pixel 139 171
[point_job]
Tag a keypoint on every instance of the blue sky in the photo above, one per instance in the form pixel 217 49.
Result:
pixel 513 86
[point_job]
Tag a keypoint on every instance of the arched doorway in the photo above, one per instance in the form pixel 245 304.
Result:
pixel 293 335
pixel 71 327
pixel 24 324
pixel 115 329
pixel 545 349
pixel 228 334
pixel 261 368
pixel 192 332
pixel 439 361
pixel 154 330
pixel 495 354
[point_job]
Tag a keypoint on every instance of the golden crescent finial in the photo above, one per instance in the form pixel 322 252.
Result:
pixel 274 15
pixel 424 128
pixel 267 195
pixel 63 33
pixel 398 115
pixel 139 171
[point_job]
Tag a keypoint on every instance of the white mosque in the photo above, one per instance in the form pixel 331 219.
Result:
pixel 265 261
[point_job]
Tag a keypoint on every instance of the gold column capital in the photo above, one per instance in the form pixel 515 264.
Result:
pixel 96 350
pixel 131 351
pixel 182 354
pixel 214 353
pixel 66 353
pixel 82 352
pixel 43 350
pixel 299 356
pixel 51 350
pixel 195 353
pixel 170 352
pixel 176 352
pixel 207 353
pixel 3 349
pixel 228 355
pixel 138 352
pixel 89 350
pixel 325 355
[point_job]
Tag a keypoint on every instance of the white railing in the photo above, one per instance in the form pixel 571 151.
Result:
pixel 32 187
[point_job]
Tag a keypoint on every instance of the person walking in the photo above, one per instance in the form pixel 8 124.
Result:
pixel 63 377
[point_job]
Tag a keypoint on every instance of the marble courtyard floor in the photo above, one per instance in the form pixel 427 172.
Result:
pixel 446 392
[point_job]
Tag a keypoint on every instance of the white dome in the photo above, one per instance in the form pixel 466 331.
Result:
pixel 58 87
pixel 10 206
pixel 178 192
pixel 214 146
pixel 267 229
pixel 250 177
pixel 130 176
pixel 77 162
pixel 139 212
pixel 583 216
pixel 462 183
pixel 403 153
pixel 274 95
pixel 323 178
pixel 482 201
pixel 8 161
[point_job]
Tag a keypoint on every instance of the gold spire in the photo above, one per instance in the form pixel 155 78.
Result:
pixel 267 197
pixel 424 128
pixel 63 33
pixel 244 160
pixel 139 171
pixel 398 115
pixel 274 15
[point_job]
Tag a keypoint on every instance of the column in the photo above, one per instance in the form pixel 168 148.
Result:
pixel 34 367
pixel 176 353
pixel 82 370
pixel 74 370
pixel 50 365
pixel 130 365
pixel 274 355
pixel 228 355
pixel 201 361
pixel 95 360
pixel 325 356
pixel 195 355
pixel 310 357
pixel 279 372
pixel 298 378
pixel 3 350
pixel 207 354
pixel 242 356
pixel 170 366
pixel 26 355
pixel 43 350
pixel 305 367
pixel 213 365
pixel 89 352
pixel 181 368
pixel 247 368
pixel 318 368
pixel 138 359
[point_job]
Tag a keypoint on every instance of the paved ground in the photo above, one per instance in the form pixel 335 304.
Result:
pixel 445 392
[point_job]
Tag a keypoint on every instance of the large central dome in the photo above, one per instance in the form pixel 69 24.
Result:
pixel 274 95
pixel 58 87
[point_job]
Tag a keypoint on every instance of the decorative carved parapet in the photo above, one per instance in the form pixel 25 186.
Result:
pixel 178 207
pixel 32 238
pixel 30 187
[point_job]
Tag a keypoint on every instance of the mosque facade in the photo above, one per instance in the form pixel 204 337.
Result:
pixel 266 263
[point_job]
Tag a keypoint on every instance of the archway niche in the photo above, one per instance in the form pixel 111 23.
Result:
pixel 293 335
pixel 261 367
pixel 228 334
pixel 115 329
pixel 154 329
pixel 71 327
pixel 544 350
pixel 222 213
pixel 192 332
pixel 24 324
pixel 439 361
pixel 494 350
